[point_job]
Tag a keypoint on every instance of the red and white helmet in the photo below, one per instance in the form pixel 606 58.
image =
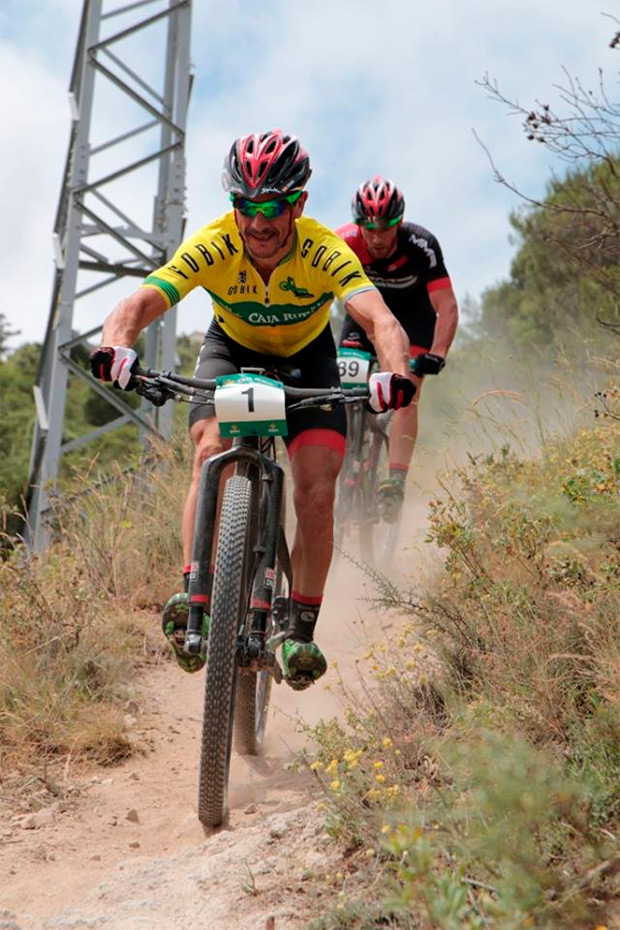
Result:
pixel 377 200
pixel 265 163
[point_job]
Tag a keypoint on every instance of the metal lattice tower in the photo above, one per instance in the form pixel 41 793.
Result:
pixel 139 96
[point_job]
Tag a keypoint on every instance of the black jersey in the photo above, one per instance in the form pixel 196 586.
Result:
pixel 405 279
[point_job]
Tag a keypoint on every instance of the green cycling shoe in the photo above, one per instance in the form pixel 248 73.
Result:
pixel 302 663
pixel 174 625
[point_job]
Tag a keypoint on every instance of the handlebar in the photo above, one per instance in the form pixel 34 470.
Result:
pixel 160 386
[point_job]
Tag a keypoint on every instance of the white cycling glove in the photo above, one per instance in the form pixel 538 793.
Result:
pixel 389 391
pixel 114 363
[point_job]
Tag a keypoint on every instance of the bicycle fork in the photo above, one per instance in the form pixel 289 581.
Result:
pixel 270 546
pixel 270 549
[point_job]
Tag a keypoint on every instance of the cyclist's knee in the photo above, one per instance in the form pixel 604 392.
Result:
pixel 207 442
pixel 314 499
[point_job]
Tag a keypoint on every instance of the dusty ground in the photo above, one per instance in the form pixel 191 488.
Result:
pixel 123 848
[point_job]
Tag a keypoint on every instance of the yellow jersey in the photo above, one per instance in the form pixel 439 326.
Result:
pixel 278 318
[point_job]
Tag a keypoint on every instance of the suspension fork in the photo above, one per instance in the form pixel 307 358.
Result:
pixel 356 423
pixel 200 581
pixel 378 427
pixel 270 547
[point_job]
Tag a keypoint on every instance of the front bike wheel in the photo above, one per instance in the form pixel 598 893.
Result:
pixel 347 510
pixel 378 538
pixel 228 609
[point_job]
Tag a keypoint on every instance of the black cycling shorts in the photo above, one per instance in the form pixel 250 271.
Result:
pixel 314 366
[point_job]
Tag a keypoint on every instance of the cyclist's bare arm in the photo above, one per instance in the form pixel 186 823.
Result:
pixel 382 328
pixel 445 306
pixel 123 326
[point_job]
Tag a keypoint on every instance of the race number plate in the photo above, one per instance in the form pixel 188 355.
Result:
pixel 353 366
pixel 250 405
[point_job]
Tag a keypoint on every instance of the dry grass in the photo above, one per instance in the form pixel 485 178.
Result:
pixel 484 795
pixel 79 619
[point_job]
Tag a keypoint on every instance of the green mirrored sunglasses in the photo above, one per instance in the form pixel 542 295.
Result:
pixel 380 224
pixel 268 208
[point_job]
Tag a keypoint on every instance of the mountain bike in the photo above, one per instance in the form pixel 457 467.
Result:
pixel 360 509
pixel 249 590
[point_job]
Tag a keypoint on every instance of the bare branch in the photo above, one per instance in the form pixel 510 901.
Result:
pixel 580 214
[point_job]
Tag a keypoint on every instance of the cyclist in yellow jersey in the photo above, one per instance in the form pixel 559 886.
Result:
pixel 279 316
pixel 272 275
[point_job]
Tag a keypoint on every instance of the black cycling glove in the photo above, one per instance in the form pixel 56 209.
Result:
pixel 427 364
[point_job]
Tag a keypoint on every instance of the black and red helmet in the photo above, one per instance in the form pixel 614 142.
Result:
pixel 378 200
pixel 265 163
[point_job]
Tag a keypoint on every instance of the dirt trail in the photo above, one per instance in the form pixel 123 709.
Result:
pixel 128 851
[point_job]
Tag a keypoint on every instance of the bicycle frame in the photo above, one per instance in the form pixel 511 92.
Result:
pixel 267 478
pixel 250 588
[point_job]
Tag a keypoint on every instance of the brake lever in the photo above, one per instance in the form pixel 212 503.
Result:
pixel 153 394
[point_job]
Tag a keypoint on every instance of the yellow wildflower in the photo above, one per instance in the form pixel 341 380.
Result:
pixel 351 757
pixel 332 768
pixel 380 778
pixel 386 742
pixel 378 764
pixel 316 766
pixel 335 785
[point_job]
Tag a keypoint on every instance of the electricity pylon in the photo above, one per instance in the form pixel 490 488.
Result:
pixel 129 95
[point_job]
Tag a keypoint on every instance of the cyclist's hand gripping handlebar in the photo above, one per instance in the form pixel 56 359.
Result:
pixel 427 364
pixel 116 364
pixel 389 391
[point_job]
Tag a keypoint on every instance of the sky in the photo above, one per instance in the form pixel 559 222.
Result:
pixel 368 87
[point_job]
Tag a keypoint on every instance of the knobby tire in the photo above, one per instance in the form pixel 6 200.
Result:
pixel 228 608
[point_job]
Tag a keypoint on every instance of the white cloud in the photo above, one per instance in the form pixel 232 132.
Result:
pixel 367 88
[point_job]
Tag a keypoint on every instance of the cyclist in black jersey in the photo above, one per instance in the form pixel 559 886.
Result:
pixel 405 262
pixel 272 274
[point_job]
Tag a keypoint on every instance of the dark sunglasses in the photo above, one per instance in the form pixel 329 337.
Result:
pixel 269 208
pixel 380 224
